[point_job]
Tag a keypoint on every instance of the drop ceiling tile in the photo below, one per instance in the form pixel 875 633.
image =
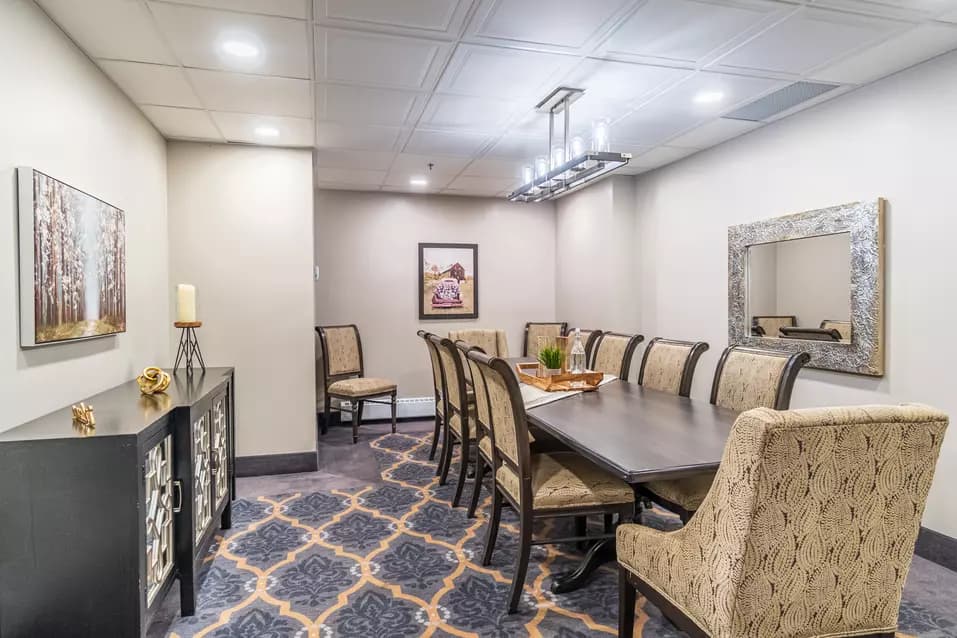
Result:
pixel 632 169
pixel 468 113
pixel 284 8
pixel 714 132
pixel 152 83
pixel 182 123
pixel 400 179
pixel 358 104
pixel 519 148
pixel 241 127
pixel 383 60
pixel 349 177
pixel 620 82
pixel 260 94
pixel 902 9
pixel 425 142
pixel 950 16
pixel 912 47
pixel 508 74
pixel 535 125
pixel 355 137
pixel 442 165
pixel 483 185
pixel 786 47
pixel 505 169
pixel 433 18
pixel 661 155
pixel 686 30
pixel 365 160
pixel 116 29
pixel 563 24
pixel 197 34
pixel 336 186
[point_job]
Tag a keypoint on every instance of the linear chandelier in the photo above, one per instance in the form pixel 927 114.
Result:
pixel 569 167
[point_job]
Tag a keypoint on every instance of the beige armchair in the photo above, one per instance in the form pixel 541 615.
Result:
pixel 493 342
pixel 808 530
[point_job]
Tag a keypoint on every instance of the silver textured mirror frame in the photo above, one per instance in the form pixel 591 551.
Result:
pixel 865 223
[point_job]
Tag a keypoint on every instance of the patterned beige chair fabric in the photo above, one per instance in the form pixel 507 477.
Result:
pixel 772 325
pixel 503 418
pixel 535 330
pixel 493 342
pixel 343 348
pixel 451 380
pixel 564 480
pixel 844 327
pixel 808 530
pixel 362 387
pixel 613 353
pixel 665 362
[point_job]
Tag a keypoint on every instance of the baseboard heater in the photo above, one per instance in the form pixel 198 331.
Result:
pixel 406 408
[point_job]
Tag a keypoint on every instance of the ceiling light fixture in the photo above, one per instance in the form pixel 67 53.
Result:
pixel 568 166
pixel 708 97
pixel 267 131
pixel 418 181
pixel 240 49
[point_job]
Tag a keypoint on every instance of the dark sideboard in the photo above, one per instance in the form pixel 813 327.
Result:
pixel 96 527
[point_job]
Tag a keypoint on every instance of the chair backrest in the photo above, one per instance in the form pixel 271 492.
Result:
pixel 613 353
pixel 589 337
pixel 341 351
pixel 482 415
pixel 438 379
pixel 507 413
pixel 535 330
pixel 749 378
pixel 843 327
pixel 492 342
pixel 455 393
pixel 772 323
pixel 668 365
pixel 810 524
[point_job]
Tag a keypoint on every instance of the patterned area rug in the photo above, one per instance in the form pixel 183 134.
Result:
pixel 394 559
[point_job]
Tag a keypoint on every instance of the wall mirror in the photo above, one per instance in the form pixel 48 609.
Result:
pixel 812 282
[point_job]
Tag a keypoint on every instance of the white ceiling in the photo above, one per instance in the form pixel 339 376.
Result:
pixel 383 88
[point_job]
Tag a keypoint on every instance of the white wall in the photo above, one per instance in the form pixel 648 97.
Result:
pixel 814 279
pixel 893 139
pixel 61 115
pixel 240 221
pixel 367 253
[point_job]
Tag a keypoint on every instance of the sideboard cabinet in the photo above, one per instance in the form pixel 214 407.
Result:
pixel 96 526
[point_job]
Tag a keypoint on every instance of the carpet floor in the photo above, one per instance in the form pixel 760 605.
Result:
pixel 393 558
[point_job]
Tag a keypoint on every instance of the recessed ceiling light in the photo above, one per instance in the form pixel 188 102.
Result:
pixel 708 97
pixel 239 48
pixel 419 181
pixel 267 131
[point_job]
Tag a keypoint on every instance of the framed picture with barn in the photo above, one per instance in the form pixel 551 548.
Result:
pixel 448 281
pixel 72 262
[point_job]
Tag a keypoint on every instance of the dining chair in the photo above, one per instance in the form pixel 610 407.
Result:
pixel 589 337
pixel 482 424
pixel 344 375
pixel 461 414
pixel 614 352
pixel 492 342
pixel 745 378
pixel 843 327
pixel 438 384
pixel 535 330
pixel 770 324
pixel 808 530
pixel 547 485
pixel 668 365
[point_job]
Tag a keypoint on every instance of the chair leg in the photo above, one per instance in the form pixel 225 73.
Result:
pixel 492 532
pixel 327 414
pixel 626 606
pixel 464 454
pixel 521 560
pixel 477 485
pixel 581 529
pixel 448 445
pixel 435 436
pixel 393 413
pixel 356 417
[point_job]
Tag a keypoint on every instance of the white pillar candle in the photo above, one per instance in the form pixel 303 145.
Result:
pixel 185 303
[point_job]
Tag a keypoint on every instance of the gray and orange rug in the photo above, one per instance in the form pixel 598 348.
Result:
pixel 395 559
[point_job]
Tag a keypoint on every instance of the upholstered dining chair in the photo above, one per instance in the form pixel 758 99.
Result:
pixel 460 412
pixel 808 530
pixel 843 327
pixel 668 365
pixel 492 342
pixel 589 338
pixel 535 330
pixel 344 377
pixel 614 352
pixel 482 425
pixel 541 485
pixel 438 383
pixel 771 324
pixel 745 378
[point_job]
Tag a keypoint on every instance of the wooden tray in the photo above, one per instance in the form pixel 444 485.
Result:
pixel 564 382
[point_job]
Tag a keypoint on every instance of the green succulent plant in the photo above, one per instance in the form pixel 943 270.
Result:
pixel 551 357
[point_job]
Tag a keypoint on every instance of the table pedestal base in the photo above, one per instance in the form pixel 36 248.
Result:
pixel 600 553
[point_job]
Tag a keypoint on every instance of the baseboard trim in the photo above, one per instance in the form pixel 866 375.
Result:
pixel 938 548
pixel 266 464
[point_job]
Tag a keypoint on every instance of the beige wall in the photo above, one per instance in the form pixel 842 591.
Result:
pixel 367 254
pixel 892 139
pixel 241 231
pixel 814 279
pixel 60 115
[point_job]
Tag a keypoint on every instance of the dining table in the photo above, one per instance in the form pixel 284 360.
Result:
pixel 635 433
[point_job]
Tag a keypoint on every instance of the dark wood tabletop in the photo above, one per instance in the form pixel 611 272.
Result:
pixel 639 434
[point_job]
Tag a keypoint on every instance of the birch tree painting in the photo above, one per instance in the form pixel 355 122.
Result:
pixel 79 248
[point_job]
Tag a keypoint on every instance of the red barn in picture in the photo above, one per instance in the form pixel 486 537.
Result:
pixel 456 271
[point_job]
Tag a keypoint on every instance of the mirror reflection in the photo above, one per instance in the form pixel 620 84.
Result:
pixel 801 288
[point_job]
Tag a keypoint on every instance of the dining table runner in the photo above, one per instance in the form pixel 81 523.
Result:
pixel 534 396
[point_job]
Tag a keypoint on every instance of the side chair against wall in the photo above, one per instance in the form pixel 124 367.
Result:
pixel 344 375
pixel 745 378
pixel 843 327
pixel 589 338
pixel 461 414
pixel 771 324
pixel 808 530
pixel 614 352
pixel 492 342
pixel 668 365
pixel 534 330
pixel 561 484
pixel 438 383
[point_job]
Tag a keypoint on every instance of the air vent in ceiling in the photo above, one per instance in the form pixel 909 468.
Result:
pixel 780 101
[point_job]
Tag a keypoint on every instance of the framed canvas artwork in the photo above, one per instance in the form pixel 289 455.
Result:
pixel 72 262
pixel 448 281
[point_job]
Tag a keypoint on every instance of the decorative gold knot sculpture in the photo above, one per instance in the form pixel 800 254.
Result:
pixel 83 416
pixel 153 380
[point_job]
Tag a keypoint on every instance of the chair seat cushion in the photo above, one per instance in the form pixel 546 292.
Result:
pixel 564 480
pixel 362 387
pixel 687 492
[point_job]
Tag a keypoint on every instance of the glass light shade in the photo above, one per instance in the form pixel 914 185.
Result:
pixel 541 166
pixel 577 146
pixel 528 173
pixel 558 156
pixel 601 136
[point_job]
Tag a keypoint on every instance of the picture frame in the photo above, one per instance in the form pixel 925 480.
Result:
pixel 448 281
